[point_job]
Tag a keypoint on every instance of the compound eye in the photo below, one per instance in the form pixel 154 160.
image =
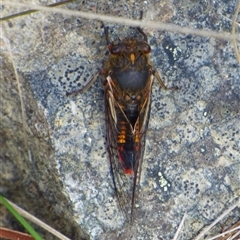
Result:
pixel 115 49
pixel 146 48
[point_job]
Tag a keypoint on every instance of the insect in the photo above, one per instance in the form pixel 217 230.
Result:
pixel 127 91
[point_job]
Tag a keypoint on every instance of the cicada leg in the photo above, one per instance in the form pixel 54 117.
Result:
pixel 106 33
pixel 97 74
pixel 140 30
pixel 86 87
pixel 143 33
pixel 156 74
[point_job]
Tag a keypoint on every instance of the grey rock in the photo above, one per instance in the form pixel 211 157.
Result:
pixel 192 155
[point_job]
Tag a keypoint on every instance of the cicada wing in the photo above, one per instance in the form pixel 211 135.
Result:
pixel 122 182
pixel 143 124
pixel 125 184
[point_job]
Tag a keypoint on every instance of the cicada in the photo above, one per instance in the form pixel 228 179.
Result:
pixel 128 78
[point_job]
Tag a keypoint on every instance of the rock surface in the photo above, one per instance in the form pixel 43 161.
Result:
pixel 192 155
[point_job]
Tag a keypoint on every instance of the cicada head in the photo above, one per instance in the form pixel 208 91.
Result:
pixel 129 48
